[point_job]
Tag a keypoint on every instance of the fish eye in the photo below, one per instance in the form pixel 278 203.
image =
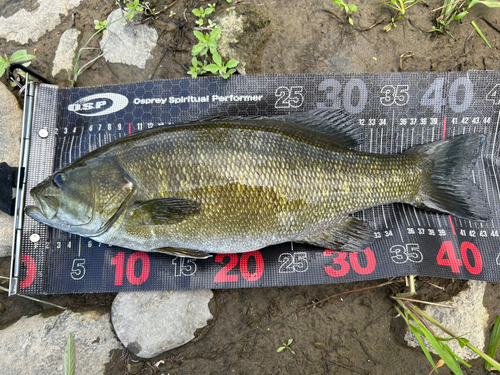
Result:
pixel 59 179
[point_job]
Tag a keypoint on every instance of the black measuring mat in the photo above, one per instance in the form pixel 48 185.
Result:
pixel 396 111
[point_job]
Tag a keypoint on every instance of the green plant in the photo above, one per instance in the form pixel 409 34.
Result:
pixel 134 8
pixel 208 44
pixel 101 26
pixel 220 68
pixel 17 57
pixel 286 346
pixel 401 7
pixel 69 357
pixel 476 27
pixel 455 10
pixel 202 13
pixel 348 8
pixel 197 68
pixel 493 344
pixel 418 322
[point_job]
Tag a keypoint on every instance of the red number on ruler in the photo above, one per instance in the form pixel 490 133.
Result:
pixel 131 268
pixel 454 263
pixel 119 262
pixel 478 260
pixel 30 271
pixel 259 268
pixel 223 277
pixel 340 261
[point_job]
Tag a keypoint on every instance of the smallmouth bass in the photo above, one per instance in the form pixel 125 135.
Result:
pixel 229 185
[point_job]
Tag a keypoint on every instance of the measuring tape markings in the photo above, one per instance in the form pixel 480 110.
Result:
pixel 123 269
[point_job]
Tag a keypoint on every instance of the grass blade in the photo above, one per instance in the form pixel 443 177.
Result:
pixel 69 357
pixel 476 27
pixel 493 344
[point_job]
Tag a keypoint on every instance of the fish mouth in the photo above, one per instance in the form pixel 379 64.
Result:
pixel 46 207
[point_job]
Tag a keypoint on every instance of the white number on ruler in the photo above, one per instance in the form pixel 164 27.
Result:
pixel 394 95
pixel 354 99
pixel 184 266
pixel 460 95
pixel 494 95
pixel 296 262
pixel 289 97
pixel 498 260
pixel 411 252
pixel 78 269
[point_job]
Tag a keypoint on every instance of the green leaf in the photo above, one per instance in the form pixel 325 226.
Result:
pixel 232 63
pixel 490 3
pixel 291 351
pixel 212 68
pixel 69 357
pixel 208 11
pixel 476 27
pixel 280 349
pixel 215 36
pixel 2 69
pixel 197 49
pixel 459 16
pixel 422 346
pixel 130 6
pixel 353 8
pixel 493 344
pixel 290 342
pixel 19 56
pixel 231 71
pixel 196 12
pixel 351 21
pixel 199 35
pixel 217 58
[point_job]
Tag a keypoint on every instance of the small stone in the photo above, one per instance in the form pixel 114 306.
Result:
pixel 10 140
pixel 320 345
pixel 65 52
pixel 469 319
pixel 43 340
pixel 128 44
pixel 135 366
pixel 150 323
pixel 25 25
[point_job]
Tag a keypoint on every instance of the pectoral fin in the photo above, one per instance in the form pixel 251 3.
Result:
pixel 350 234
pixel 163 211
pixel 184 252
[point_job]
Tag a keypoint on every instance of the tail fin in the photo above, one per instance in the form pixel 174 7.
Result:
pixel 446 167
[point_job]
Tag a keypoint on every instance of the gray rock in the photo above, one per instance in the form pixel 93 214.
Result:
pixel 243 32
pixel 128 43
pixel 470 319
pixel 25 25
pixel 10 140
pixel 36 345
pixel 150 323
pixel 65 52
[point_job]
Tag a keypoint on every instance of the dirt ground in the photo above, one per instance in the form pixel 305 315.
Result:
pixel 360 333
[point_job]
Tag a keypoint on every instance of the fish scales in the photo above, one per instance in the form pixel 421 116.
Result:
pixel 233 185
pixel 234 174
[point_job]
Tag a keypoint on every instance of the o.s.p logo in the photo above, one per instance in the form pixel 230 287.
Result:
pixel 99 104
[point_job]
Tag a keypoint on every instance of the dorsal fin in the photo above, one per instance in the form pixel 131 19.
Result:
pixel 336 123
pixel 327 126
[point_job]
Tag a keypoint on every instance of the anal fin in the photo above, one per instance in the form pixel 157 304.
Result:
pixel 351 234
pixel 185 253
